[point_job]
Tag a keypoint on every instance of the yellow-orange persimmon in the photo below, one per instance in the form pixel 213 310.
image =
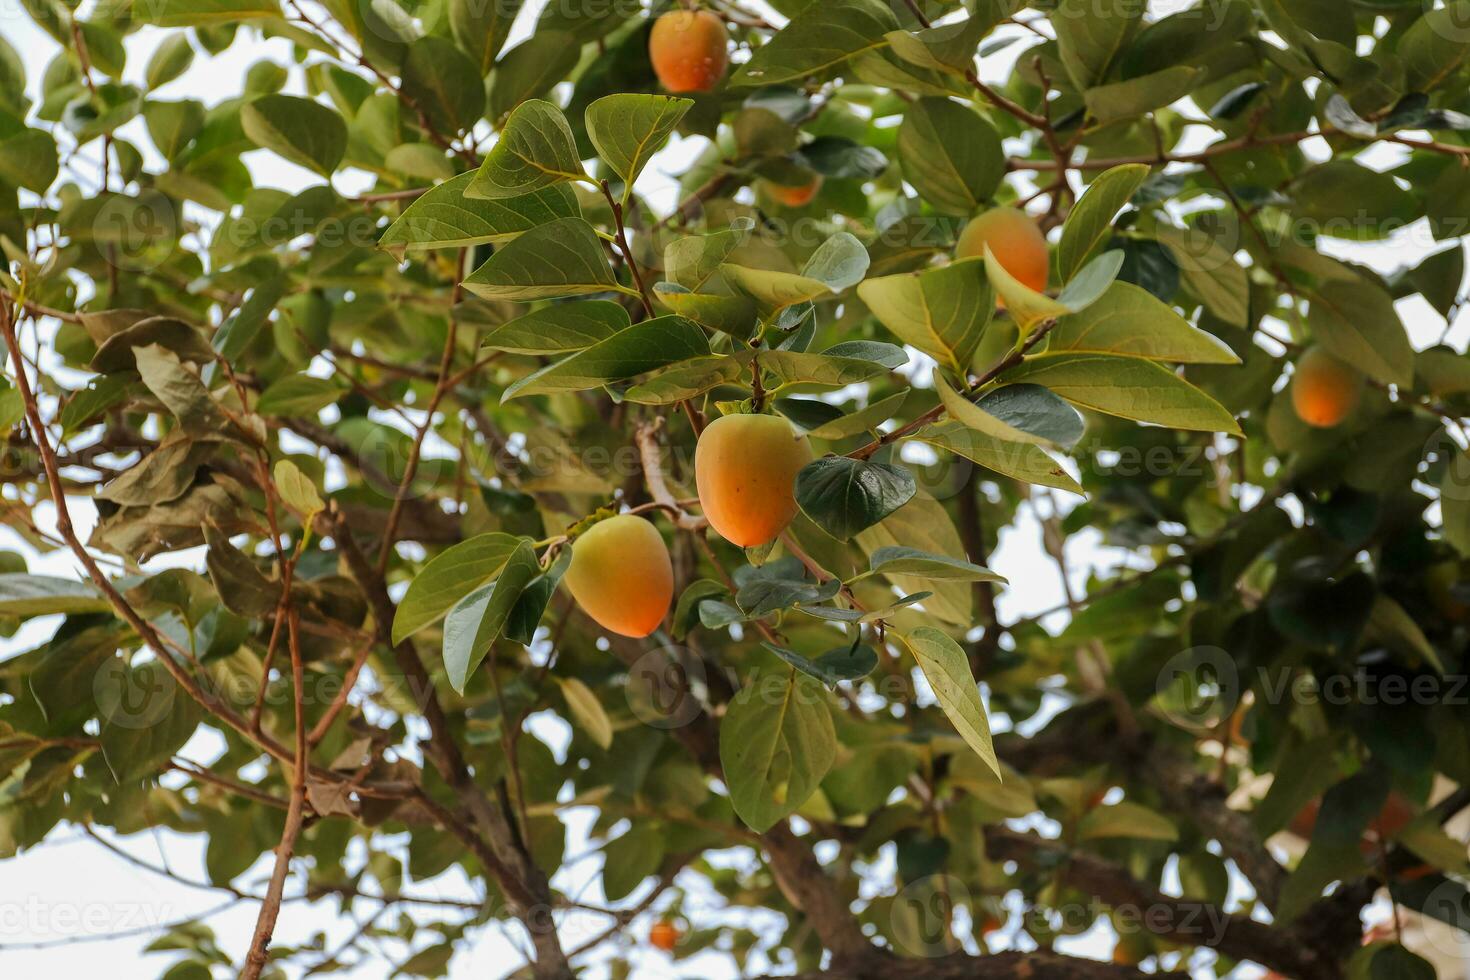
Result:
pixel 1016 241
pixel 745 467
pixel 689 50
pixel 664 935
pixel 1324 390
pixel 621 575
pixel 793 196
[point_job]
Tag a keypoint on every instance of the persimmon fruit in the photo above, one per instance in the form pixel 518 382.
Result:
pixel 745 468
pixel 621 575
pixel 1324 389
pixel 1392 818
pixel 1016 241
pixel 689 50
pixel 797 196
pixel 664 935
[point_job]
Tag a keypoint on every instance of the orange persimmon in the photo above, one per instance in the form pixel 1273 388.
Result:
pixel 664 935
pixel 1324 389
pixel 1016 241
pixel 689 50
pixel 797 196
pixel 621 575
pixel 745 468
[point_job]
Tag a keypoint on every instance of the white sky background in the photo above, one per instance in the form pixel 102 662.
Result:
pixel 71 887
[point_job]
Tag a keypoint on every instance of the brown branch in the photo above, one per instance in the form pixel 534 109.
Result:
pixel 650 455
pixel 523 884
pixel 270 908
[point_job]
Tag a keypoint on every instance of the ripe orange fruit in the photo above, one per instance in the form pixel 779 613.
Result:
pixel 688 49
pixel 745 468
pixel 621 575
pixel 1016 241
pixel 664 935
pixel 1324 390
pixel 793 197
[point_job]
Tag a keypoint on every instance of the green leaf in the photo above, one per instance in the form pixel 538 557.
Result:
pixel 856 422
pixel 444 83
pixel 691 261
pixel 1128 820
pixel 1344 199
pixel 733 315
pixel 531 69
pixel 1210 272
pixel 298 395
pixel 481 28
pixel 790 367
pixel 477 620
pixel 1127 387
pixel 820 37
pixel 1018 460
pixel 241 586
pixel 844 663
pixel 560 258
pixel 445 217
pixel 844 496
pixel 951 154
pixel 27 156
pixel 641 347
pixel 947 47
pixel 1014 413
pixel 587 711
pixel 1394 962
pixel 1356 321
pixel 1037 413
pixel 100 395
pixel 1137 96
pixel 1092 218
pixel 924 523
pixel 171 125
pixel 559 328
pixel 1435 45
pixel 146 721
pixel 535 150
pixel 297 491
pixel 448 577
pixel 1130 320
pixel 628 859
pixel 839 263
pixel 1091 38
pixel 948 671
pixel 300 130
pixel 180 391
pixel 903 560
pixel 687 379
pixel 202 13
pixel 628 129
pixel 943 312
pixel 23 596
pixel 776 744
pixel 169 60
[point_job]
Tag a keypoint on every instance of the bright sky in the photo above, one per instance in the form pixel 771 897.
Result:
pixel 70 887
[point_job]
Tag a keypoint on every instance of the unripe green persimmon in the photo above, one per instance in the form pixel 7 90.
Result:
pixel 621 575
